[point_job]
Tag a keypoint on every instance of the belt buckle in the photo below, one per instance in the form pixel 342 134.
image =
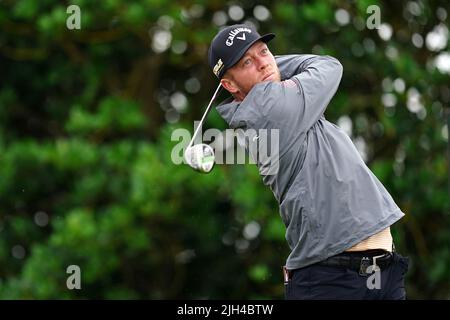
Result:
pixel 380 257
pixel 365 263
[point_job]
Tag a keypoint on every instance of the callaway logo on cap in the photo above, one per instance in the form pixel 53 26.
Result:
pixel 230 45
pixel 233 33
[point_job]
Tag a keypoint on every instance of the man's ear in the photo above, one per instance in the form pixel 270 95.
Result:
pixel 229 85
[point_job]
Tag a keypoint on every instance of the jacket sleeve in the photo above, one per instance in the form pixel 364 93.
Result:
pixel 310 83
pixel 290 65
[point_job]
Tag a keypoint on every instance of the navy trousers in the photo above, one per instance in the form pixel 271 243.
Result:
pixel 325 282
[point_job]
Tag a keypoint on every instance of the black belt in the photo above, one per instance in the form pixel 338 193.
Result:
pixel 360 261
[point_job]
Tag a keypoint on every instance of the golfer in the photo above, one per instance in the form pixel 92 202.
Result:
pixel 336 212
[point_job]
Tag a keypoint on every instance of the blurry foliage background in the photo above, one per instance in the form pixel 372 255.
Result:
pixel 86 118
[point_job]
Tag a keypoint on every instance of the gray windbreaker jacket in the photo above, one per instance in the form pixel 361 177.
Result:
pixel 329 199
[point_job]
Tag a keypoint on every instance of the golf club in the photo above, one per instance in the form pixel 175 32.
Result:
pixel 200 157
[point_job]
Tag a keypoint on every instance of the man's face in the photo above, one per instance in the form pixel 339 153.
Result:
pixel 257 65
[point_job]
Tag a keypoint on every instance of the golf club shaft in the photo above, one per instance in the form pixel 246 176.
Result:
pixel 204 116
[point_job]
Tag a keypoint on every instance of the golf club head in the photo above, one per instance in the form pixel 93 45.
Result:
pixel 200 157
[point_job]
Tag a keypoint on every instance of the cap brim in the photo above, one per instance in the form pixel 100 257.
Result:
pixel 265 38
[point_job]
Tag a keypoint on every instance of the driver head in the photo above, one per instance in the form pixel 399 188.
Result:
pixel 200 157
